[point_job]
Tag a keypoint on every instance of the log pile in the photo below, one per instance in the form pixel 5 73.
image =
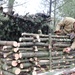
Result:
pixel 7 57
pixel 34 48
pixel 61 60
pixel 35 53
pixel 27 57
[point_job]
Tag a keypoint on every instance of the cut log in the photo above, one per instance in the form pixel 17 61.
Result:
pixel 9 43
pixel 25 65
pixel 31 34
pixel 7 73
pixel 15 70
pixel 34 54
pixel 61 40
pixel 32 44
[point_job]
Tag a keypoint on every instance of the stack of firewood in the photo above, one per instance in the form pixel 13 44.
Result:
pixel 34 48
pixel 61 60
pixel 8 57
pixel 27 57
pixel 35 53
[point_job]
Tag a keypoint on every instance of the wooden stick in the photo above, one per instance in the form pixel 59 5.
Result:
pixel 25 65
pixel 31 34
pixel 61 45
pixel 6 73
pixel 32 44
pixel 61 40
pixel 9 43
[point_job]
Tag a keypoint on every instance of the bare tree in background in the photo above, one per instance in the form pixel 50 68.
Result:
pixel 10 5
pixel 52 7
